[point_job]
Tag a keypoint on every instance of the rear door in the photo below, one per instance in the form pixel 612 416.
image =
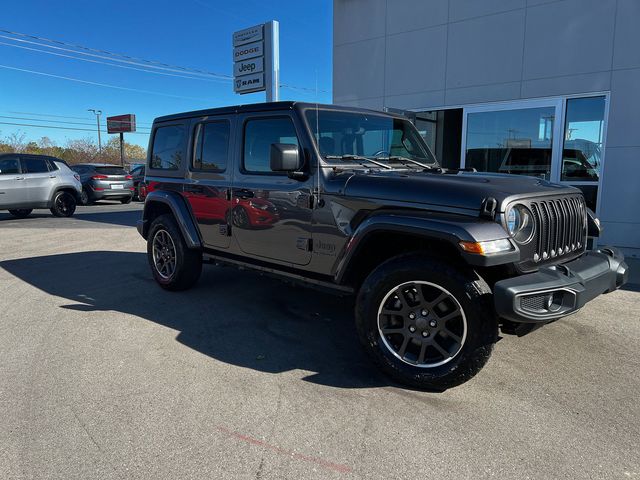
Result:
pixel 271 212
pixel 208 181
pixel 39 180
pixel 13 191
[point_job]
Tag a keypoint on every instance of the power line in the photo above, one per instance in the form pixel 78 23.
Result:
pixel 35 72
pixel 117 57
pixel 63 128
pixel 53 121
pixel 65 116
pixel 204 79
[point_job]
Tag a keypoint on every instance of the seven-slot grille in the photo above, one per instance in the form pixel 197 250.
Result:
pixel 560 226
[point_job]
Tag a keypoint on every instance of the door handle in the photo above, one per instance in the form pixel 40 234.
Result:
pixel 244 194
pixel 52 176
pixel 19 178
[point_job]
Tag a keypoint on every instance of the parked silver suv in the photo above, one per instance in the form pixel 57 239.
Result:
pixel 37 181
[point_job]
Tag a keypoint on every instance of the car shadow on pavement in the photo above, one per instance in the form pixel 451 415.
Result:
pixel 237 317
pixel 126 218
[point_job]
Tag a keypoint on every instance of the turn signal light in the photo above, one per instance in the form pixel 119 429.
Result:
pixel 486 248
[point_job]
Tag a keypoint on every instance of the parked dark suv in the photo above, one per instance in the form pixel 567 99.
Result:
pixel 440 260
pixel 102 181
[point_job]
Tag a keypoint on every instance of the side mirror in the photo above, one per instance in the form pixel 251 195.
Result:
pixel 285 157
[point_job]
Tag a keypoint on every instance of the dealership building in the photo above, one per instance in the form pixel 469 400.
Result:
pixel 540 87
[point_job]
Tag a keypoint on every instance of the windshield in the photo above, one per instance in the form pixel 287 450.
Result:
pixel 379 137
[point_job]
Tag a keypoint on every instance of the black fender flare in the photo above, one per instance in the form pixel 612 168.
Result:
pixel 451 229
pixel 181 212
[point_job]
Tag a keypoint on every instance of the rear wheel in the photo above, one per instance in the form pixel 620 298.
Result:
pixel 64 204
pixel 174 265
pixel 21 212
pixel 125 200
pixel 84 197
pixel 426 323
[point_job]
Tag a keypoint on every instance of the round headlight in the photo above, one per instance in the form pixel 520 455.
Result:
pixel 520 223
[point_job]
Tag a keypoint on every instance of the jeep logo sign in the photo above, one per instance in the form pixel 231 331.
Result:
pixel 246 67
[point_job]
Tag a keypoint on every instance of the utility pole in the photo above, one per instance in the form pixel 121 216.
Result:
pixel 97 113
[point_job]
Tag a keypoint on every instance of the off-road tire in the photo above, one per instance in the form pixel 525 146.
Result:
pixel 64 204
pixel 464 284
pixel 188 262
pixel 21 212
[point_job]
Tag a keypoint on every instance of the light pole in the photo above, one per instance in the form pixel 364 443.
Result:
pixel 97 114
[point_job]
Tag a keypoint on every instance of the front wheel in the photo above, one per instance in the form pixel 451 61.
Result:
pixel 64 204
pixel 21 212
pixel 426 323
pixel 174 265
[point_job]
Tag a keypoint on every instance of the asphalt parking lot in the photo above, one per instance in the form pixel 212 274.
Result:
pixel 104 375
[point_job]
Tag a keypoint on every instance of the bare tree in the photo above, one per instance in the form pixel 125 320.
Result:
pixel 16 141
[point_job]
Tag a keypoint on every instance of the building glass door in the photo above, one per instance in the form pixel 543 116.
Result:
pixel 560 140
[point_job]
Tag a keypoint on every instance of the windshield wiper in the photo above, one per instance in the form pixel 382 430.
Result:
pixel 359 159
pixel 405 160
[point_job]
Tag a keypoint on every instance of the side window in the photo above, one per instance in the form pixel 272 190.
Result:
pixel 212 146
pixel 168 147
pixel 34 165
pixel 259 134
pixel 9 166
pixel 52 165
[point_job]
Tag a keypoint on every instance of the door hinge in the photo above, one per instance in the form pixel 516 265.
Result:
pixel 305 244
pixel 225 230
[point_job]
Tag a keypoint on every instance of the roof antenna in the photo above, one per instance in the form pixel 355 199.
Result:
pixel 317 202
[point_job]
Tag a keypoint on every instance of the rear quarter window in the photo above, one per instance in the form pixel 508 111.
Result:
pixel 110 171
pixel 168 149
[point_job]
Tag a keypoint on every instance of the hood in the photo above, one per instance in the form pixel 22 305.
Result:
pixel 464 190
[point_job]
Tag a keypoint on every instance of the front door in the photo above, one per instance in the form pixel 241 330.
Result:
pixel 13 191
pixel 270 212
pixel 208 189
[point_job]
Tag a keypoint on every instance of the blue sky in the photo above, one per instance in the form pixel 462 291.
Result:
pixel 189 33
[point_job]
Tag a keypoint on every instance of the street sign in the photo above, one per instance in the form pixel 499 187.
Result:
pixel 121 123
pixel 256 60
pixel 249 83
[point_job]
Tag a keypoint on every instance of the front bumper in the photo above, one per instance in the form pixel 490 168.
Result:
pixel 558 290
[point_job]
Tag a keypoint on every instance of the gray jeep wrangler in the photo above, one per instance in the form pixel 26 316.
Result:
pixel 353 201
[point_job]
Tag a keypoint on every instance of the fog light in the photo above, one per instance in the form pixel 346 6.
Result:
pixel 553 302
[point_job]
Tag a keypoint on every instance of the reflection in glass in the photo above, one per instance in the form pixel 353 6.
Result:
pixel 511 141
pixel 583 132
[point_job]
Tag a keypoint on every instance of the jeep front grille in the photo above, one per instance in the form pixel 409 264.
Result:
pixel 560 225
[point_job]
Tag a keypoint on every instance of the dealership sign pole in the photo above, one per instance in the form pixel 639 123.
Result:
pixel 121 124
pixel 256 60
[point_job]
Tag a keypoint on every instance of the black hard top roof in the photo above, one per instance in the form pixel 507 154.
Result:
pixel 263 107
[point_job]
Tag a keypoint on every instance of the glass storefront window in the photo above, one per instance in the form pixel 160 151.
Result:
pixel 583 131
pixel 582 149
pixel 516 141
